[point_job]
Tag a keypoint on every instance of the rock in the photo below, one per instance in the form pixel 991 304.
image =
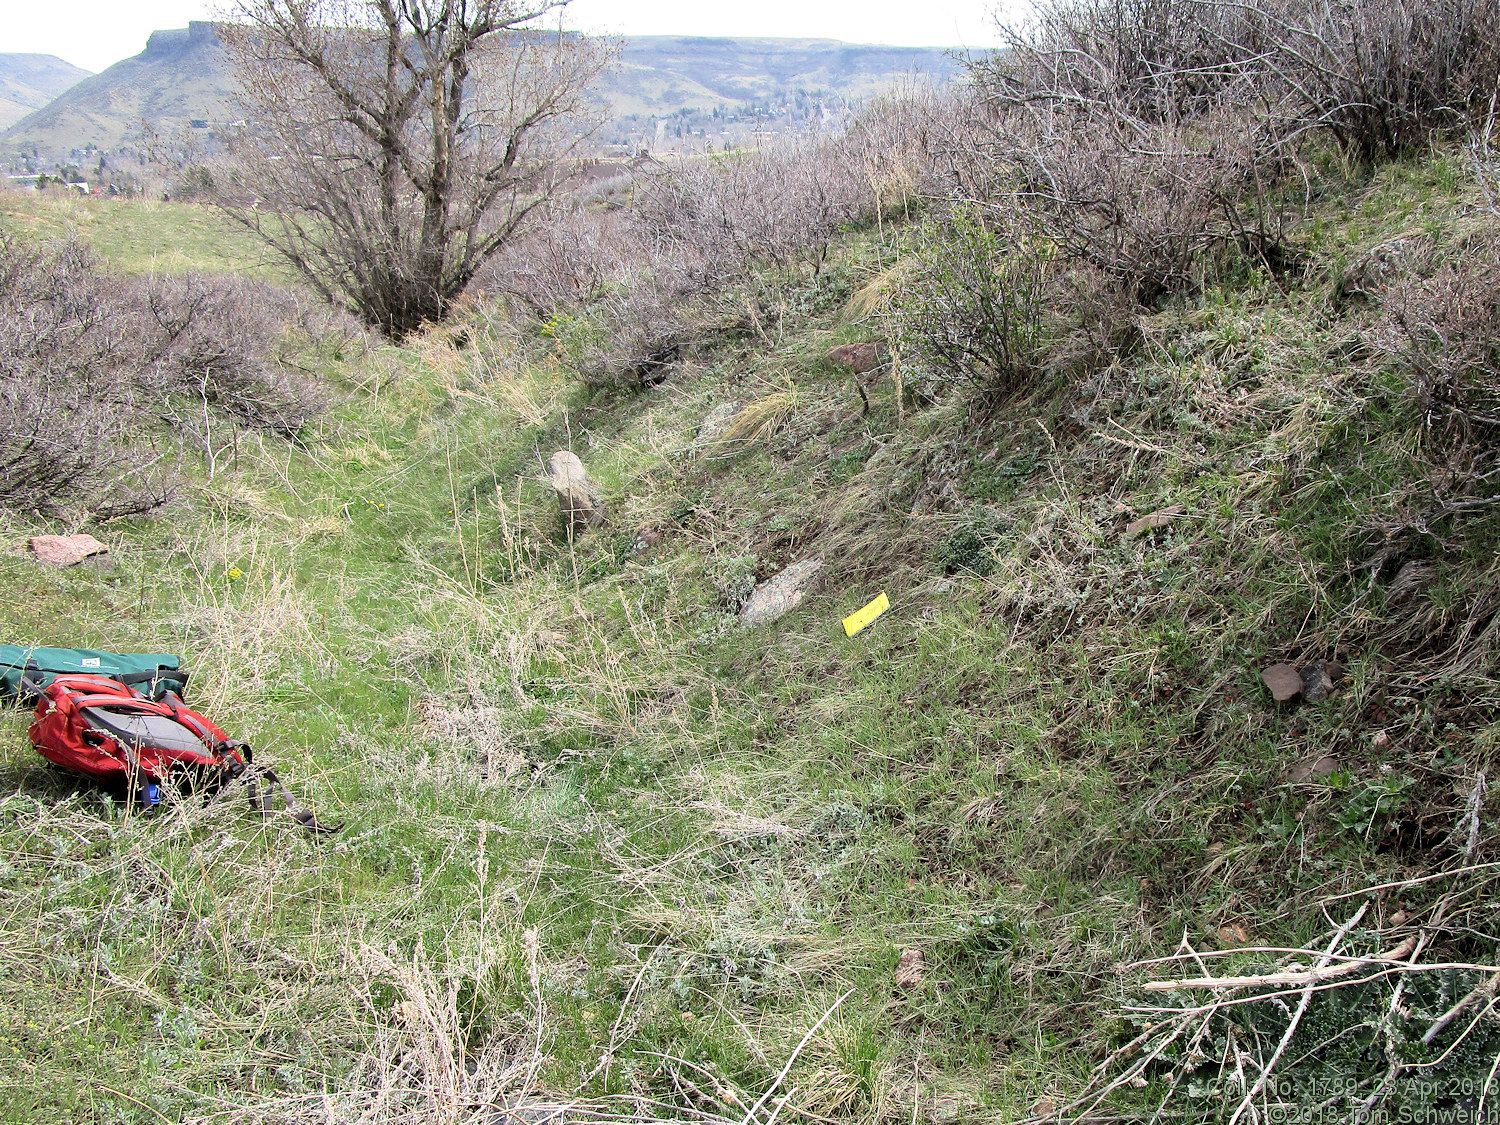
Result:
pixel 909 972
pixel 1284 681
pixel 1318 679
pixel 576 498
pixel 1314 769
pixel 65 550
pixel 1371 273
pixel 530 1109
pixel 779 594
pixel 715 422
pixel 1154 521
pixel 1233 935
pixel 858 358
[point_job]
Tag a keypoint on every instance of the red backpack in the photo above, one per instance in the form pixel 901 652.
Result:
pixel 101 728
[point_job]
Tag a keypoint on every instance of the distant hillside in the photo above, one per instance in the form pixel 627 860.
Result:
pixel 28 82
pixel 747 71
pixel 179 78
pixel 723 87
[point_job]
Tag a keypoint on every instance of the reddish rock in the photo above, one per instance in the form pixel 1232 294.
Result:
pixel 1284 681
pixel 65 550
pixel 1153 522
pixel 858 358
pixel 910 970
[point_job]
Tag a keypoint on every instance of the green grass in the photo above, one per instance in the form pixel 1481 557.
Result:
pixel 601 841
pixel 140 236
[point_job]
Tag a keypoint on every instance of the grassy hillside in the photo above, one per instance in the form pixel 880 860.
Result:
pixel 139 238
pixel 604 842
pixel 28 82
pixel 179 77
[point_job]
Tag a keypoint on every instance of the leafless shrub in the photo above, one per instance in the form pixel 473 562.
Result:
pixel 1445 329
pixel 1123 125
pixel 642 333
pixel 681 233
pixel 1483 158
pixel 562 264
pixel 1151 61
pixel 700 227
pixel 779 207
pixel 903 144
pixel 991 304
pixel 206 341
pixel 56 454
pixel 66 407
pixel 91 365
pixel 1146 205
pixel 1383 76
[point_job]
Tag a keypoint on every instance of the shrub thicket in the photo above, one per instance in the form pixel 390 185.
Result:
pixel 1151 61
pixel 206 342
pixel 66 400
pixel 1382 76
pixel 1150 206
pixel 1142 145
pixel 1445 332
pixel 92 364
pixel 694 228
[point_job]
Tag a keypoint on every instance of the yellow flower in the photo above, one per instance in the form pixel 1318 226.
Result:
pixel 235 574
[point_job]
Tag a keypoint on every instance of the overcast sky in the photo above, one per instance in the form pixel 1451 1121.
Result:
pixel 96 33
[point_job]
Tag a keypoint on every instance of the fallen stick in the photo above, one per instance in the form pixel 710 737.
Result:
pixel 1300 977
pixel 1291 1027
pixel 1400 883
pixel 1457 1010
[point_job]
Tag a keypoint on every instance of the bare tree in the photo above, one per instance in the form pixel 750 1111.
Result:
pixel 391 147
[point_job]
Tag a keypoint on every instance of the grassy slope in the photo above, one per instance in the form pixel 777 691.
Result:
pixel 654 843
pixel 138 237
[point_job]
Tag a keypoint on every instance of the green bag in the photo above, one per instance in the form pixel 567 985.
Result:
pixel 24 672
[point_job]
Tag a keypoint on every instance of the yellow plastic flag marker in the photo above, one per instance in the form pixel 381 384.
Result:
pixel 859 619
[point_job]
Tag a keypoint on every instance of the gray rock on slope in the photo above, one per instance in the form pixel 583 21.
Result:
pixel 576 498
pixel 715 422
pixel 779 594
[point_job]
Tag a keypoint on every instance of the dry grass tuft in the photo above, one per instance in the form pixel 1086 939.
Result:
pixel 761 419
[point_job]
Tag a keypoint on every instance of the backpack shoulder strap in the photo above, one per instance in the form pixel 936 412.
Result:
pixel 298 812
